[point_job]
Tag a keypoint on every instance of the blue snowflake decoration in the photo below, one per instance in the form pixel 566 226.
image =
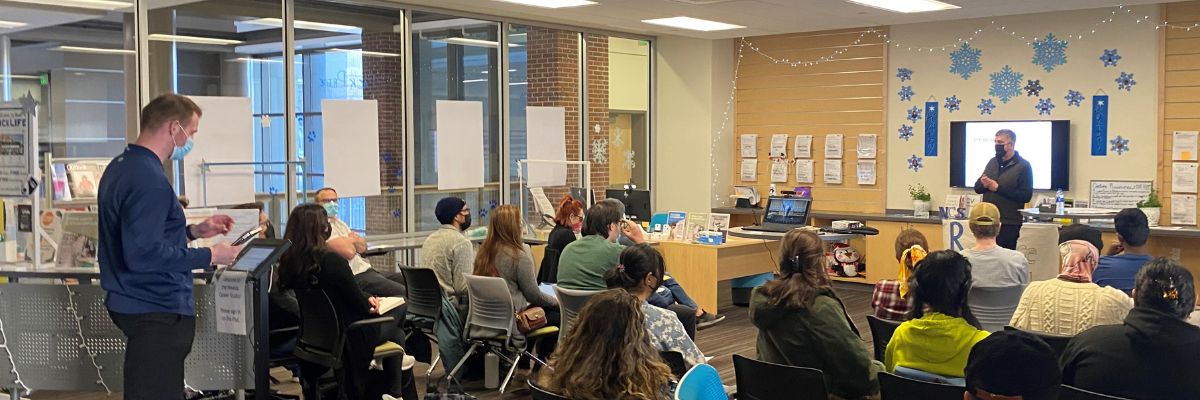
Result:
pixel 1120 145
pixel 906 93
pixel 906 132
pixel 986 106
pixel 1044 106
pixel 914 114
pixel 492 204
pixel 1049 52
pixel 272 191
pixel 312 136
pixel 965 61
pixel 915 163
pixel 483 213
pixel 1074 98
pixel 904 74
pixel 396 213
pixel 1125 81
pixel 1006 84
pixel 387 157
pixel 952 103
pixel 399 172
pixel 1110 57
pixel 391 189
pixel 1033 88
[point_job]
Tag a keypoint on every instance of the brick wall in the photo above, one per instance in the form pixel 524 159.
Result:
pixel 553 76
pixel 383 82
pixel 597 106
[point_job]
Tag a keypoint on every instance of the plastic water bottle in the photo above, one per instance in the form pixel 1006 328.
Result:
pixel 1059 203
pixel 491 371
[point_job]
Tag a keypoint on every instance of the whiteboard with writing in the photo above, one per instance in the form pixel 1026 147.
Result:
pixel 1115 195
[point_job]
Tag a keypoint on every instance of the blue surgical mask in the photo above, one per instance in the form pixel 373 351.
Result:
pixel 331 209
pixel 181 151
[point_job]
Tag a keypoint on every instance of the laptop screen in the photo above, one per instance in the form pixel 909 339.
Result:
pixel 787 211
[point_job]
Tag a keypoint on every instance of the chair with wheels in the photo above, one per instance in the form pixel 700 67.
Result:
pixel 543 394
pixel 760 380
pixel 424 307
pixel 321 343
pixel 490 324
pixel 1068 392
pixel 701 383
pixel 571 302
pixel 894 387
pixel 994 307
pixel 881 333
pixel 1056 342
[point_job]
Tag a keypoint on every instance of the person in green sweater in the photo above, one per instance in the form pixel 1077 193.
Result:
pixel 939 337
pixel 802 322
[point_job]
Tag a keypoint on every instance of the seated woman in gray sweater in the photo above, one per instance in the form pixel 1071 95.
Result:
pixel 504 254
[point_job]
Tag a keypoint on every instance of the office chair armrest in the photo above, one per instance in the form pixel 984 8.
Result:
pixel 284 330
pixel 370 321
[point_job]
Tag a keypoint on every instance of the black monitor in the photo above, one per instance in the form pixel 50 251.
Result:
pixel 259 255
pixel 637 202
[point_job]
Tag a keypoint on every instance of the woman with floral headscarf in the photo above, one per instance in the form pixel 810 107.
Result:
pixel 1071 303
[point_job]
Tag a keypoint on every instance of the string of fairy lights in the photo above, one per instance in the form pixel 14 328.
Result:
pixel 74 310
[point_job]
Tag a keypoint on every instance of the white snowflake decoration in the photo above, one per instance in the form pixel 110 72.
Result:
pixel 1006 84
pixel 914 114
pixel 952 103
pixel 1044 106
pixel 1049 52
pixel 1110 57
pixel 630 160
pixel 1125 81
pixel 1120 145
pixel 600 151
pixel 915 163
pixel 986 106
pixel 904 74
pixel 965 61
pixel 906 93
pixel 906 132
pixel 1074 98
pixel 618 137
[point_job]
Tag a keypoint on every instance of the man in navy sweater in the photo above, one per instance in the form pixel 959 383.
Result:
pixel 145 264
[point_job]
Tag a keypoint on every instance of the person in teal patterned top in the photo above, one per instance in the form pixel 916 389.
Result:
pixel 640 272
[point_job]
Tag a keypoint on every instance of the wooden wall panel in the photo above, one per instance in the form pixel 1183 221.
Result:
pixel 842 96
pixel 1180 91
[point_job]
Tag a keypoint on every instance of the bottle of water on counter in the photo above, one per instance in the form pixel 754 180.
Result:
pixel 1059 203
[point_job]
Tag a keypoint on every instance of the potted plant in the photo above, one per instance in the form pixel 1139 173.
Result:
pixel 920 197
pixel 1151 207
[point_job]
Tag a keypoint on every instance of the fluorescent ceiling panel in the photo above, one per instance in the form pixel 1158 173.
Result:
pixel 191 39
pixel 907 6
pixel 267 23
pixel 11 24
pixel 472 42
pixel 694 24
pixel 92 50
pixel 366 53
pixel 551 3
pixel 106 5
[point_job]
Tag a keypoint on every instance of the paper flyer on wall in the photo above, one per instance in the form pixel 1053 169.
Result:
pixel 749 145
pixel 867 145
pixel 866 172
pixel 833 145
pixel 779 171
pixel 1184 146
pixel 804 171
pixel 779 145
pixel 1183 209
pixel 802 148
pixel 833 171
pixel 749 169
pixel 1183 177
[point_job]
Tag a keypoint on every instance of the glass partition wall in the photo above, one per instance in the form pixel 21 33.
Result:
pixel 93 64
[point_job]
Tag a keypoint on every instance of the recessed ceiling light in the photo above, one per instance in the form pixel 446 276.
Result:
pixel 92 50
pixel 907 6
pixel 254 60
pixel 472 42
pixel 191 39
pixel 366 53
pixel 20 76
pixel 552 3
pixel 316 26
pixel 11 24
pixel 694 24
pixel 89 4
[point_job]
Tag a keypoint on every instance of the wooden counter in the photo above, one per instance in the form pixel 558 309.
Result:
pixel 699 267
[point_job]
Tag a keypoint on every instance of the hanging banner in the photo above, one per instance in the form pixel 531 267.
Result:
pixel 1100 125
pixel 931 129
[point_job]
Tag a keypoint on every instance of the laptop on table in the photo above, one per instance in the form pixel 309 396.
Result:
pixel 783 214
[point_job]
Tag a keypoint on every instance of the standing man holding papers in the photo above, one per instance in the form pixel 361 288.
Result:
pixel 144 256
pixel 1007 182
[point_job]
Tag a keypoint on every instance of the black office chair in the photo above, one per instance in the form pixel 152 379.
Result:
pixel 1056 342
pixel 1068 392
pixel 543 394
pixel 321 343
pixel 881 333
pixel 892 387
pixel 424 308
pixel 674 359
pixel 759 380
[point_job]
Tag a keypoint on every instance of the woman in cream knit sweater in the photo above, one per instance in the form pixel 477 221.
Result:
pixel 1071 303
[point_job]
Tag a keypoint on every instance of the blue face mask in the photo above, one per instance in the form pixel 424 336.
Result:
pixel 331 208
pixel 181 151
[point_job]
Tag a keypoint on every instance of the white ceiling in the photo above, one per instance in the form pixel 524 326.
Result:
pixel 761 17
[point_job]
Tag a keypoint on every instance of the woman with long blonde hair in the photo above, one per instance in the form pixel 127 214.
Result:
pixel 608 354
pixel 504 254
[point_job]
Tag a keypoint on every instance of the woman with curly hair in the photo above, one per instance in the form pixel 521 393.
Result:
pixel 608 354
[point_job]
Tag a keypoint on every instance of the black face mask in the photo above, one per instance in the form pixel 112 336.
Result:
pixel 466 222
pixel 1000 152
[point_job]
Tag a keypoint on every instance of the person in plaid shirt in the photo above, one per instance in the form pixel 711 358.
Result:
pixel 890 299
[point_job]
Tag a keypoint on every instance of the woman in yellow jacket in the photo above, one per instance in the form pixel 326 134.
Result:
pixel 942 331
